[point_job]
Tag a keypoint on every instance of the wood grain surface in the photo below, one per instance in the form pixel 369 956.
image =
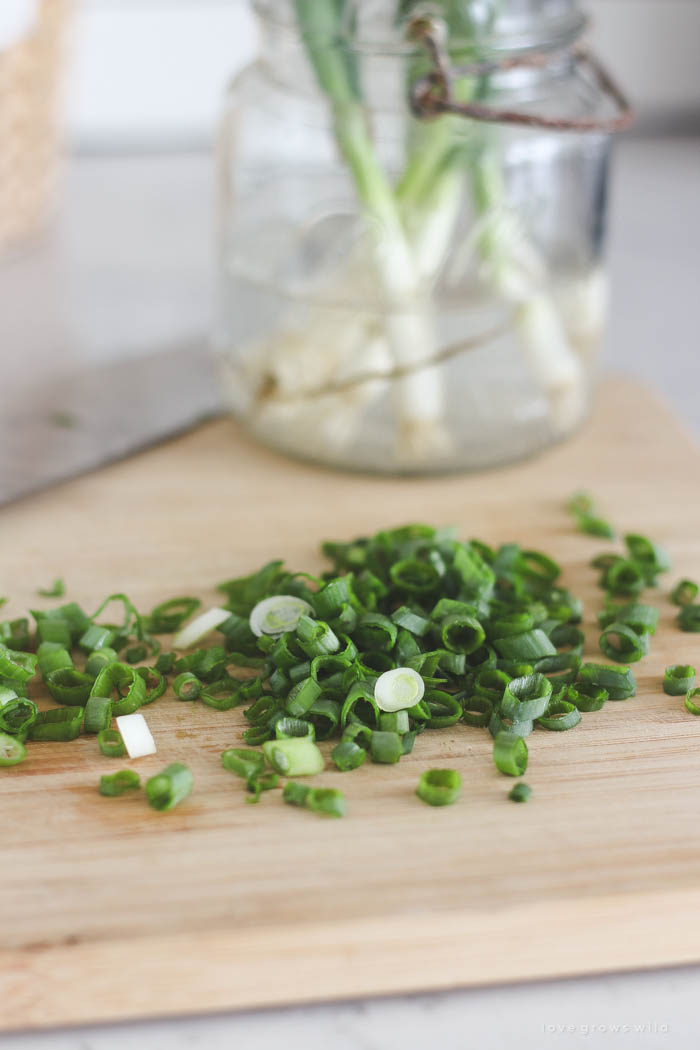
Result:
pixel 110 910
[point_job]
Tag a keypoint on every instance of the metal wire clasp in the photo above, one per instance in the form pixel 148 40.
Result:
pixel 433 94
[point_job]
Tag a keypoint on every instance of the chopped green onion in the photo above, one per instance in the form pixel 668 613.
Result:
pixel 526 699
pixel 679 679
pixel 329 802
pixel 324 714
pixel 278 614
pixel 520 792
pixel 187 686
pixel 12 750
pixel 295 757
pixel 445 709
pixel 623 644
pixel 69 686
pixel 691 705
pixel 96 637
pixel 411 621
pixel 54 631
pixel 586 696
pixel 295 794
pixel 529 646
pixel 126 682
pixel 688 618
pixel 165 662
pixel 477 711
pixel 400 688
pixel 56 590
pixel 685 592
pixel 136 735
pixel 170 787
pixel 348 755
pixel 386 747
pixel 650 556
pixel 394 722
pixel 561 715
pixel 287 728
pixel 580 503
pixel 640 617
pixel 110 743
pixel 98 714
pixel 98 660
pixel 510 754
pixel 412 576
pixel 302 697
pixel 244 762
pixel 17 714
pixel 116 784
pixel 17 666
pixel 618 681
pixel 315 637
pixel 561 669
pixel 60 723
pixel 159 685
pixel 439 787
pixel 624 577
pixel 200 627
pixel 169 616
pixel 595 526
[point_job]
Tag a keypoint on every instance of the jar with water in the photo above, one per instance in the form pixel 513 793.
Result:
pixel 412 216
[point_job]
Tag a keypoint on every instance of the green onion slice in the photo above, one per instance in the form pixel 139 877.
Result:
pixel 386 748
pixel 12 750
pixel 520 792
pixel 59 723
pixel 116 784
pixel 439 787
pixel 400 688
pixel 688 618
pixel 561 715
pixel 200 627
pixel 295 757
pixel 623 644
pixel 679 679
pixel 526 699
pixel 692 701
pixel 170 787
pixel 329 802
pixel 619 682
pixel 685 592
pixel 510 754
pixel 243 761
pixel 187 686
pixel 278 614
pixel 348 755
pixel 110 743
pixel 98 714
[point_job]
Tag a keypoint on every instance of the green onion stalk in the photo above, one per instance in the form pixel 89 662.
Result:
pixel 412 224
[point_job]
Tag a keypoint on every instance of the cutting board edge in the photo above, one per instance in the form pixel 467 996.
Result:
pixel 138 979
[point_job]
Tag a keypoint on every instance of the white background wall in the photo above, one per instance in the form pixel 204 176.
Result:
pixel 149 73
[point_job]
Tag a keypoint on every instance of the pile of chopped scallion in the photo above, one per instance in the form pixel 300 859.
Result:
pixel 410 631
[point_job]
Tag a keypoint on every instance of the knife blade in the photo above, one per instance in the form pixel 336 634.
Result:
pixel 55 428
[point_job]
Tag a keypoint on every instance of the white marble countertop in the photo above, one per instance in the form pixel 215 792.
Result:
pixel 128 269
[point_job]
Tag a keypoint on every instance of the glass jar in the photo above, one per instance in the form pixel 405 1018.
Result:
pixel 404 289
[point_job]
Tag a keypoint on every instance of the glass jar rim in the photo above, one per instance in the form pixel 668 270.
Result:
pixel 538 33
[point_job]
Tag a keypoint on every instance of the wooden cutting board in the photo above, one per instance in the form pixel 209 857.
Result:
pixel 110 910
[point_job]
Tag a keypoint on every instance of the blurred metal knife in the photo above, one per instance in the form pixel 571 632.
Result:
pixel 54 428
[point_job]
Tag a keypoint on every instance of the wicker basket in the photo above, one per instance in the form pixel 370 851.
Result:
pixel 29 133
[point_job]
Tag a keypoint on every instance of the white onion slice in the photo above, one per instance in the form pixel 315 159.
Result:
pixel 200 627
pixel 278 614
pixel 398 689
pixel 136 735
